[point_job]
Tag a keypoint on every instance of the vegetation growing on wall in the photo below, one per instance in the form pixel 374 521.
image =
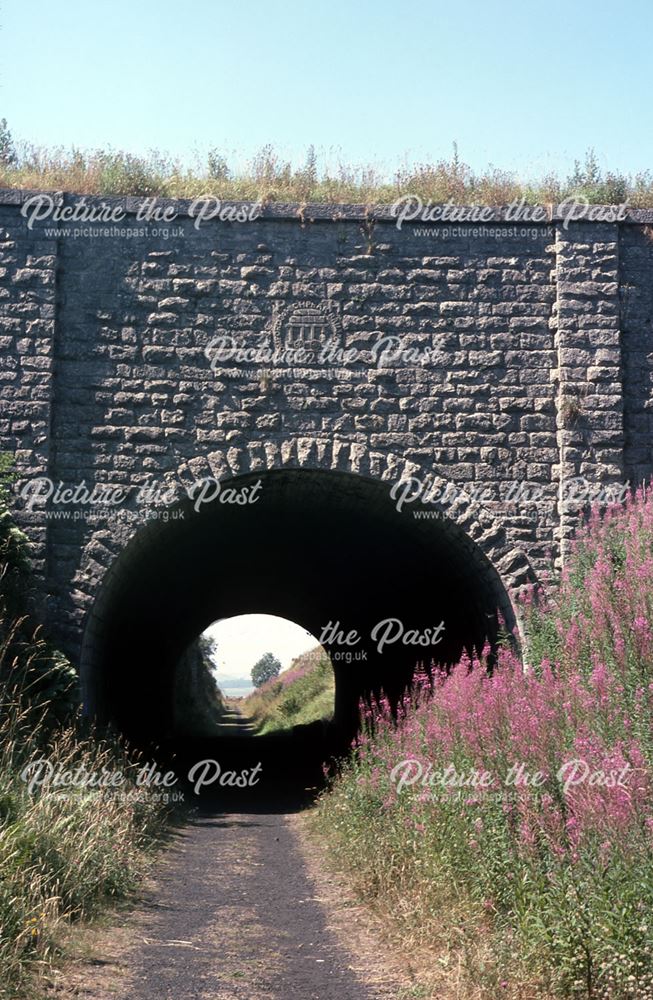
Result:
pixel 270 177
pixel 30 666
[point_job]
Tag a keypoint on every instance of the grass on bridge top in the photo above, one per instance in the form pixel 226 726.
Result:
pixel 268 177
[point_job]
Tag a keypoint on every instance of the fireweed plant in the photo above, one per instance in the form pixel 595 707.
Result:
pixel 544 886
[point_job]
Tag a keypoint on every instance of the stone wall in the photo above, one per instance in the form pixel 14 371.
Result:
pixel 540 368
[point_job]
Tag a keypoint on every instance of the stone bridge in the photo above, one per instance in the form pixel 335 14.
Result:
pixel 309 359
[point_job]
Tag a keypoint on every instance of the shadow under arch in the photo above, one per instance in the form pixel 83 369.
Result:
pixel 317 546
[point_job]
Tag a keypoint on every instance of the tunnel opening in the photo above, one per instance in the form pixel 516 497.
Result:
pixel 324 549
pixel 250 676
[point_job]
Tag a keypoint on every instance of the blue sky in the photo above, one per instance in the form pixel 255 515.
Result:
pixel 524 86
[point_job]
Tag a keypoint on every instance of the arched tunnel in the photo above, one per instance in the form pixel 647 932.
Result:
pixel 315 547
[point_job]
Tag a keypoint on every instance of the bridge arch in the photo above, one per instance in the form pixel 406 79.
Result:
pixel 323 543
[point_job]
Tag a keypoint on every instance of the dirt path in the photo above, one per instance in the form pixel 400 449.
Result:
pixel 234 723
pixel 232 915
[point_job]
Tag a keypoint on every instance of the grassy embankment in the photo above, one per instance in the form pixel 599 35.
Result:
pixel 268 177
pixel 63 852
pixel 302 694
pixel 533 886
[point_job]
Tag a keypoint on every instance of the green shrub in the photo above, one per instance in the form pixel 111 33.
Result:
pixel 30 666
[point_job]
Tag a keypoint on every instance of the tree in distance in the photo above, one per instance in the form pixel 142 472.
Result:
pixel 209 647
pixel 265 669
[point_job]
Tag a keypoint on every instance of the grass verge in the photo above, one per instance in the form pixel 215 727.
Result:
pixel 67 846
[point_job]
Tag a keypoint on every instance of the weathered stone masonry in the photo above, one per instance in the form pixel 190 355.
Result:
pixel 543 368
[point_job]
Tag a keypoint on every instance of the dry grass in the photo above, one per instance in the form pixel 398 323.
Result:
pixel 63 853
pixel 269 178
pixel 438 947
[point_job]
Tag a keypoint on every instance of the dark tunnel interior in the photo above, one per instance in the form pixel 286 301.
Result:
pixel 316 547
